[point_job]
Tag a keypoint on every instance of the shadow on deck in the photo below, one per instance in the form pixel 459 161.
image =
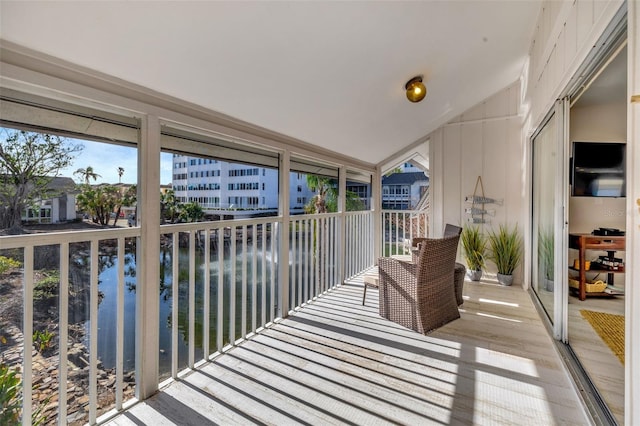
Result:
pixel 337 362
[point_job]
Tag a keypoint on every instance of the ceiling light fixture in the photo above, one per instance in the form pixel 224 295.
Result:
pixel 416 90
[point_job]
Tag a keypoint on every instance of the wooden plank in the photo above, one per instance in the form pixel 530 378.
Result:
pixel 336 361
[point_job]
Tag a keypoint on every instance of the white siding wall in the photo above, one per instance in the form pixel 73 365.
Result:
pixel 565 34
pixel 485 141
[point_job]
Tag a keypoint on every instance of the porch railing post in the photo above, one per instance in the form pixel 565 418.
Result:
pixel 283 251
pixel 342 208
pixel 148 279
pixel 377 222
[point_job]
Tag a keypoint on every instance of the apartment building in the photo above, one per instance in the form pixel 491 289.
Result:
pixel 220 185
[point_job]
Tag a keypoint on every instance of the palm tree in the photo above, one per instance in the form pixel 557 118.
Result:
pixel 120 173
pixel 169 206
pixel 326 199
pixel 325 188
pixel 86 174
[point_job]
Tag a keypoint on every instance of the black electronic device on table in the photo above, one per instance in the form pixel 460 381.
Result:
pixel 613 232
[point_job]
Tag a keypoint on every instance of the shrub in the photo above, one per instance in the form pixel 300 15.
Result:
pixel 7 263
pixel 43 340
pixel 10 400
pixel 47 287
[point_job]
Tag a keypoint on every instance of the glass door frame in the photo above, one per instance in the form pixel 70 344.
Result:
pixel 559 113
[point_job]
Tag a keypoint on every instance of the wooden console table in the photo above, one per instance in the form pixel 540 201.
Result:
pixel 584 242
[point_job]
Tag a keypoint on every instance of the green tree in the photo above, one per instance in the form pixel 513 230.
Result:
pixel 191 212
pixel 169 207
pixel 104 200
pixel 326 193
pixel 87 174
pixel 28 163
pixel 326 198
pixel 120 173
pixel 128 199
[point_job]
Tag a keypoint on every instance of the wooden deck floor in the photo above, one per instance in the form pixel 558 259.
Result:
pixel 337 362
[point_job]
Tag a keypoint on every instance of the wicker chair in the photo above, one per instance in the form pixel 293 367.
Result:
pixel 460 270
pixel 420 295
pixel 450 230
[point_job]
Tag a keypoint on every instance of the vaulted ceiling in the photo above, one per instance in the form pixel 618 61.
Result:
pixel 327 73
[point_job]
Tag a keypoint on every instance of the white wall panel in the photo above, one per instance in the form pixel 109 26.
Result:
pixel 490 147
pixel 561 48
pixel 599 8
pixel 495 160
pixel 451 176
pixel 472 164
pixel 475 113
pixel 497 105
pixel 571 38
pixel 515 188
pixel 585 18
pixel 513 103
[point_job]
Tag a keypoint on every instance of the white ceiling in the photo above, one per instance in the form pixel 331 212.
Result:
pixel 328 73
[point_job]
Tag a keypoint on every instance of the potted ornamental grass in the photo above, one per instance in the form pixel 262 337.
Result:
pixel 474 246
pixel 505 250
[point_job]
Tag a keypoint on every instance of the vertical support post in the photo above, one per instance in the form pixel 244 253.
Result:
pixel 27 332
pixel 632 299
pixel 220 305
pixel 272 269
pixel 232 286
pixel 93 333
pixel 376 209
pixel 243 321
pixel 342 208
pixel 254 277
pixel 263 282
pixel 120 323
pixel 63 332
pixel 192 298
pixel 283 251
pixel 206 291
pixel 175 289
pixel 147 290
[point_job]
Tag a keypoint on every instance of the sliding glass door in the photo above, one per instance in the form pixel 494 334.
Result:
pixel 545 151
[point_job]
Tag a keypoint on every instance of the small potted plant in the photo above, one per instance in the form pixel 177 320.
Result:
pixel 474 245
pixel 505 250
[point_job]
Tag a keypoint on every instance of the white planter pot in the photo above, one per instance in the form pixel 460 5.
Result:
pixel 475 275
pixel 505 279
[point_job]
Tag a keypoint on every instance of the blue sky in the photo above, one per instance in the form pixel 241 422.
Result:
pixel 106 158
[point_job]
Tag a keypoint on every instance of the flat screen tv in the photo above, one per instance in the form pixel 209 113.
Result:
pixel 598 169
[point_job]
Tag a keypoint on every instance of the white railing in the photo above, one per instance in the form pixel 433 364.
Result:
pixel 219 286
pixel 359 242
pixel 399 227
pixel 79 256
pixel 234 300
pixel 313 256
